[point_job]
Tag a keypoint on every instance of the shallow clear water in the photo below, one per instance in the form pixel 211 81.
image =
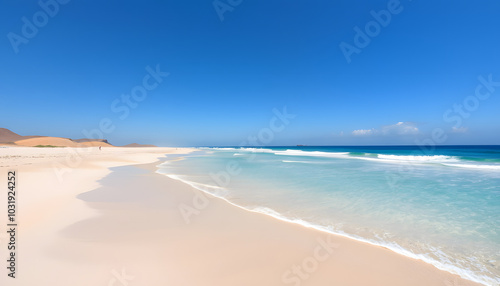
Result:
pixel 441 206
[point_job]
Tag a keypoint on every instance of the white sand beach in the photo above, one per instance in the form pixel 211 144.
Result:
pixel 90 217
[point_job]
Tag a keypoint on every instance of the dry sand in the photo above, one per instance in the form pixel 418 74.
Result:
pixel 9 138
pixel 59 142
pixel 81 223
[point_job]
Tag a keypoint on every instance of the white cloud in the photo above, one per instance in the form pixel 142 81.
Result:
pixel 400 128
pixel 362 132
pixel 459 129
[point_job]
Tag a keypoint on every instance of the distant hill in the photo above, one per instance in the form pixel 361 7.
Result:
pixel 8 137
pixel 139 145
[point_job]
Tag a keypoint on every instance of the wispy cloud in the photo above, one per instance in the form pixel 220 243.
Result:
pixel 363 132
pixel 400 128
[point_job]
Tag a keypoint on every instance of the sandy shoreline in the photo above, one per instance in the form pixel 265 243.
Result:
pixel 82 223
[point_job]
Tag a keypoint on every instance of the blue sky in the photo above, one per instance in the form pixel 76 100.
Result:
pixel 230 63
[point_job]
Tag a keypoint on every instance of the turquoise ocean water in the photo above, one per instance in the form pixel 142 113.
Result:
pixel 441 205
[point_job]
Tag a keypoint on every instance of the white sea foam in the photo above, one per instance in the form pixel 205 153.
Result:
pixel 312 153
pixel 257 150
pixel 240 149
pixel 377 157
pixel 199 186
pixel 449 161
pixel 434 158
pixel 302 162
pixel 219 148
pixel 442 261
pixel 468 267
pixel 472 166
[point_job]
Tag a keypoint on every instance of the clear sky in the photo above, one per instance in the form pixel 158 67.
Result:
pixel 353 72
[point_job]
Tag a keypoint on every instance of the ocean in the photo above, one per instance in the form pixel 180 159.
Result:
pixel 441 206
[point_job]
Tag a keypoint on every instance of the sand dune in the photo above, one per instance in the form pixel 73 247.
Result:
pixel 53 141
pixel 9 138
pixel 59 142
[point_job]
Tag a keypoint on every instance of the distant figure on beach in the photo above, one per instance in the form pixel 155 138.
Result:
pixel 99 148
